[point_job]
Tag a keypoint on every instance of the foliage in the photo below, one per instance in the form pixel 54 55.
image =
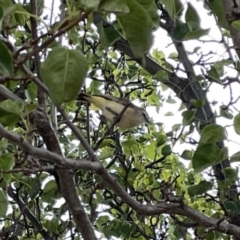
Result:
pixel 169 180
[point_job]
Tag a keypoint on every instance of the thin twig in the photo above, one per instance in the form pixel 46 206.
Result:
pixel 53 37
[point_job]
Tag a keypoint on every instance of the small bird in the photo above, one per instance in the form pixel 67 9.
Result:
pixel 111 107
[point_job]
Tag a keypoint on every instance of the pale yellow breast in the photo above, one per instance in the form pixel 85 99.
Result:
pixel 130 118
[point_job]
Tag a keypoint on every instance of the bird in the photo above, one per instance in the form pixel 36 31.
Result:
pixel 112 106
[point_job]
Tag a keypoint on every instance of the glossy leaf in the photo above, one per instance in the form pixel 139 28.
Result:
pixel 196 34
pixel 187 155
pixel 6 61
pixel 235 157
pixel 188 117
pixel 7 161
pixel 108 35
pixel 192 14
pixel 180 30
pixel 117 6
pixel 166 150
pixel 12 106
pixel 205 156
pixel 232 206
pixel 10 112
pixel 152 10
pixel 236 24
pixel 162 76
pixel 225 112
pixel 212 133
pixel 50 192
pixel 137 26
pixel 230 174
pixel 8 118
pixel 64 72
pixel 236 123
pixel 3 204
pixel 200 188
pixel 219 11
pixel 31 92
pixel 197 103
pixel 160 139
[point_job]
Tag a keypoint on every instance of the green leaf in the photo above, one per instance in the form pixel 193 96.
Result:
pixel 12 106
pixel 188 117
pixel 117 6
pixel 160 139
pixel 200 188
pixel 106 152
pixel 151 150
pixel 215 73
pixel 197 103
pixel 171 100
pixel 51 225
pixel 6 61
pixel 219 11
pixel 192 15
pixel 50 192
pixel 21 15
pixel 3 204
pixel 232 206
pixel 225 112
pixel 1 17
pixel 87 4
pixel 105 143
pixel 235 157
pixel 152 10
pixel 7 161
pixel 9 8
pixel 230 174
pixel 180 30
pixel 31 91
pixel 205 156
pixel 166 150
pixel 173 55
pixel 236 123
pixel 196 34
pixel 108 34
pixel 10 112
pixel 137 26
pixel 212 133
pixel 187 155
pixel 162 76
pixel 169 114
pixel 64 73
pixel 28 109
pixel 236 24
pixel 179 7
pixel 101 221
pixel 8 118
pixel 170 7
pixel 176 127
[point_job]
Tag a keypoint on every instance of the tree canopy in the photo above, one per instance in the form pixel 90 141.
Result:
pixel 67 173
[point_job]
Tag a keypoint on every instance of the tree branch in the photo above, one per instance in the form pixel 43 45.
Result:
pixel 172 206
